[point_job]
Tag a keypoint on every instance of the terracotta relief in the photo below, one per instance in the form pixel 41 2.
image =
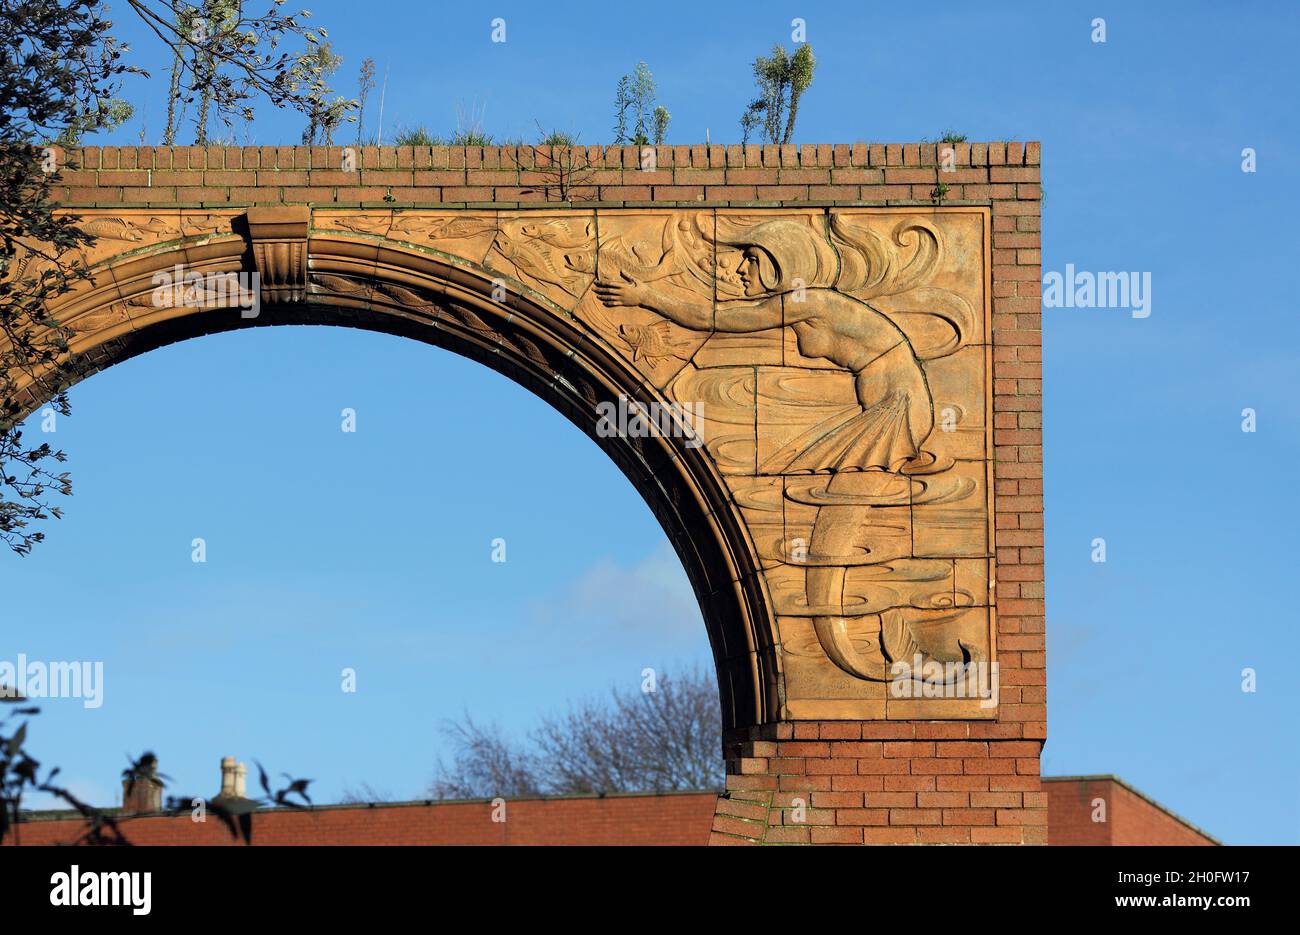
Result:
pixel 813 360
pixel 553 256
pixel 127 230
pixel 667 252
pixel 167 225
pixel 839 360
pixel 120 233
pixel 462 235
pixel 108 316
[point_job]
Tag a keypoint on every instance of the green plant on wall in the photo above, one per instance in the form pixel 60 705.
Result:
pixel 634 103
pixel 782 79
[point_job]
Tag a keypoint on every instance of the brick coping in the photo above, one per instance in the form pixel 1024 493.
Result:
pixel 915 175
pixel 700 156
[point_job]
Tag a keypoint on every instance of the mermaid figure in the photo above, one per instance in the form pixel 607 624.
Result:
pixel 886 435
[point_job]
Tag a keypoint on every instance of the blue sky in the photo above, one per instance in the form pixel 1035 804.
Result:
pixel 371 549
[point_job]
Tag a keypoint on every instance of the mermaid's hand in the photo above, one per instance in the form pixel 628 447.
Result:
pixel 626 293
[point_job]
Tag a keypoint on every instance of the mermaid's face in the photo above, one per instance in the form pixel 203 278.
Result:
pixel 749 272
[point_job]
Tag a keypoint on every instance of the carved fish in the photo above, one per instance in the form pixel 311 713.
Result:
pixel 93 321
pixel 537 265
pixel 194 227
pixel 443 228
pixel 679 252
pixel 360 225
pixel 408 297
pixel 556 234
pixel 655 341
pixel 123 229
pixel 339 284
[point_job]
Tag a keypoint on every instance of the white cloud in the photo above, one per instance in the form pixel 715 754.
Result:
pixel 651 598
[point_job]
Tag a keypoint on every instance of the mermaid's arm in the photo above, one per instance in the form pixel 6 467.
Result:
pixel 740 317
pixel 737 317
pixel 627 292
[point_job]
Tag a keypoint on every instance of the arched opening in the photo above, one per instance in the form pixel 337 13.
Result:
pixel 445 301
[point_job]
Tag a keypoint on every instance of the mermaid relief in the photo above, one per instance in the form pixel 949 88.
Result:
pixel 886 435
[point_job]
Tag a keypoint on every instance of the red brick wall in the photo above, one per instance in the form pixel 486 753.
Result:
pixel 1069 813
pixel 643 819
pixel 903 781
pixel 897 786
pixel 1131 818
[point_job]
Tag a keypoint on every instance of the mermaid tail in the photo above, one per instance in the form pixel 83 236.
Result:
pixel 833 634
pixel 896 644
pixel 854 440
pixel 896 416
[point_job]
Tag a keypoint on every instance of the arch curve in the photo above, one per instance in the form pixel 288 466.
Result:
pixel 380 284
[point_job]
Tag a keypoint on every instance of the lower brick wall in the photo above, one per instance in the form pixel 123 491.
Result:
pixel 854 795
pixel 847 782
pixel 1103 811
pixel 679 818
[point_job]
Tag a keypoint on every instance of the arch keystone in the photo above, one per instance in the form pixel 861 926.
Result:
pixel 278 236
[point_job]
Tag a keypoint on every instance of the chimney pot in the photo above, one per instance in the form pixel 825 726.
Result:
pixel 227 778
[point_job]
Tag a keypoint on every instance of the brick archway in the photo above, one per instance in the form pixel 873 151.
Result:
pixel 332 278
pixel 868 372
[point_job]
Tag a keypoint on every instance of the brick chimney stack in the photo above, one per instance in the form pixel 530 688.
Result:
pixel 142 789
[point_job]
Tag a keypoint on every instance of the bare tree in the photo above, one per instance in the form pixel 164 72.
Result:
pixel 566 170
pixel 223 58
pixel 365 794
pixel 484 765
pixel 661 740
